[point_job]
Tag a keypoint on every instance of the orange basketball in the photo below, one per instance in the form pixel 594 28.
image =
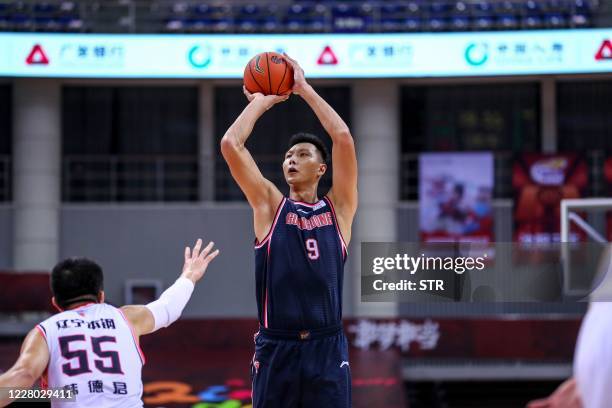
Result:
pixel 268 73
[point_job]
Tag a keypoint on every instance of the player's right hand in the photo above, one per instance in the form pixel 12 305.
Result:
pixel 268 100
pixel 196 262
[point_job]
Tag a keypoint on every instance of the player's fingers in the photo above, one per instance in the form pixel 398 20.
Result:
pixel 212 256
pixel 207 249
pixel 282 98
pixel 196 248
pixel 187 253
pixel 291 60
pixel 541 403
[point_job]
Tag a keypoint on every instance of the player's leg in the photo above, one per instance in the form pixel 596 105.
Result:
pixel 275 373
pixel 326 373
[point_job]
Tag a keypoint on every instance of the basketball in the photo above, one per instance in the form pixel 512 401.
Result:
pixel 269 74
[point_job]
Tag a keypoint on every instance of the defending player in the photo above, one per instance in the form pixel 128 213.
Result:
pixel 91 347
pixel 301 353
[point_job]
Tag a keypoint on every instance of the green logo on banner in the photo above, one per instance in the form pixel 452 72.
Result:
pixel 200 56
pixel 477 54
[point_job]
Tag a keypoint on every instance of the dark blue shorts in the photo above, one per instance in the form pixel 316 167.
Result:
pixel 301 369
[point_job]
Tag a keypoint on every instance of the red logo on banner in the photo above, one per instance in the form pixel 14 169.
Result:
pixel 327 57
pixel 37 56
pixel 605 51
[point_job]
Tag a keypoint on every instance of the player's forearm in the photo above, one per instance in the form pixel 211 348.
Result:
pixel 238 133
pixel 329 118
pixel 14 378
pixel 169 307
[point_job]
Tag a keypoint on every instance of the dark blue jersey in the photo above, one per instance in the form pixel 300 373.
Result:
pixel 299 268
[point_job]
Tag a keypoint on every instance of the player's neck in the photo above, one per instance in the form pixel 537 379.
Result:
pixel 80 304
pixel 307 195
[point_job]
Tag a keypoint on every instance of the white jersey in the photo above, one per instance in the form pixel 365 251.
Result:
pixel 94 353
pixel 593 356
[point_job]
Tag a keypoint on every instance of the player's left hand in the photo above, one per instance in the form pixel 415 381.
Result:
pixel 196 262
pixel 268 100
pixel 566 396
pixel 299 81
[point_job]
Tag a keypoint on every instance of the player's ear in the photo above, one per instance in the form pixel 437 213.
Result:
pixel 101 296
pixel 322 169
pixel 55 305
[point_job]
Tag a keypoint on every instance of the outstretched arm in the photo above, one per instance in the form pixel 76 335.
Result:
pixel 30 365
pixel 262 195
pixel 344 160
pixel 168 308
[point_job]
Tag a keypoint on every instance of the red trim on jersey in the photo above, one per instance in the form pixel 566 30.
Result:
pixel 303 203
pixel 42 331
pixel 266 297
pixel 269 234
pixel 80 307
pixel 331 205
pixel 136 343
pixel 44 379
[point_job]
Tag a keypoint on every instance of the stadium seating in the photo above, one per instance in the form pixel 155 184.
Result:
pixel 300 16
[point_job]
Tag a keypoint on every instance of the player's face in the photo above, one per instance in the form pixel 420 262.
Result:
pixel 303 164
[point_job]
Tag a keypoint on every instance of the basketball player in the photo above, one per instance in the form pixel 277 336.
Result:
pixel 301 353
pixel 92 348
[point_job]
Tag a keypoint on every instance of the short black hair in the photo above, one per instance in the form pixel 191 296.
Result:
pixel 303 137
pixel 75 280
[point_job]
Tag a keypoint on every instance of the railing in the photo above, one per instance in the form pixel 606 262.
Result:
pixel 130 178
pixel 5 178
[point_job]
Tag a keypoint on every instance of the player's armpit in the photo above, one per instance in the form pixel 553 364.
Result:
pixel 32 362
pixel 140 317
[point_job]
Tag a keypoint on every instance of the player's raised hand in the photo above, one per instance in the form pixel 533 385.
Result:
pixel 299 80
pixel 196 262
pixel 268 100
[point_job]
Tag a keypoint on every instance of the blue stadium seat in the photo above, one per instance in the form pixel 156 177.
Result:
pixel 484 22
pixel 439 9
pixel 20 22
pixel 391 9
pixel 176 24
pixel 45 8
pixel 507 22
pixel 532 7
pixel 413 24
pixel 482 8
pixel 505 8
pixel 437 24
pixel 249 9
pixel 532 22
pixel 351 18
pixel 581 20
pixel 582 5
pixel 391 24
pixel 413 7
pixel 460 23
pixel 460 8
pixel 555 20
pixel 270 24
